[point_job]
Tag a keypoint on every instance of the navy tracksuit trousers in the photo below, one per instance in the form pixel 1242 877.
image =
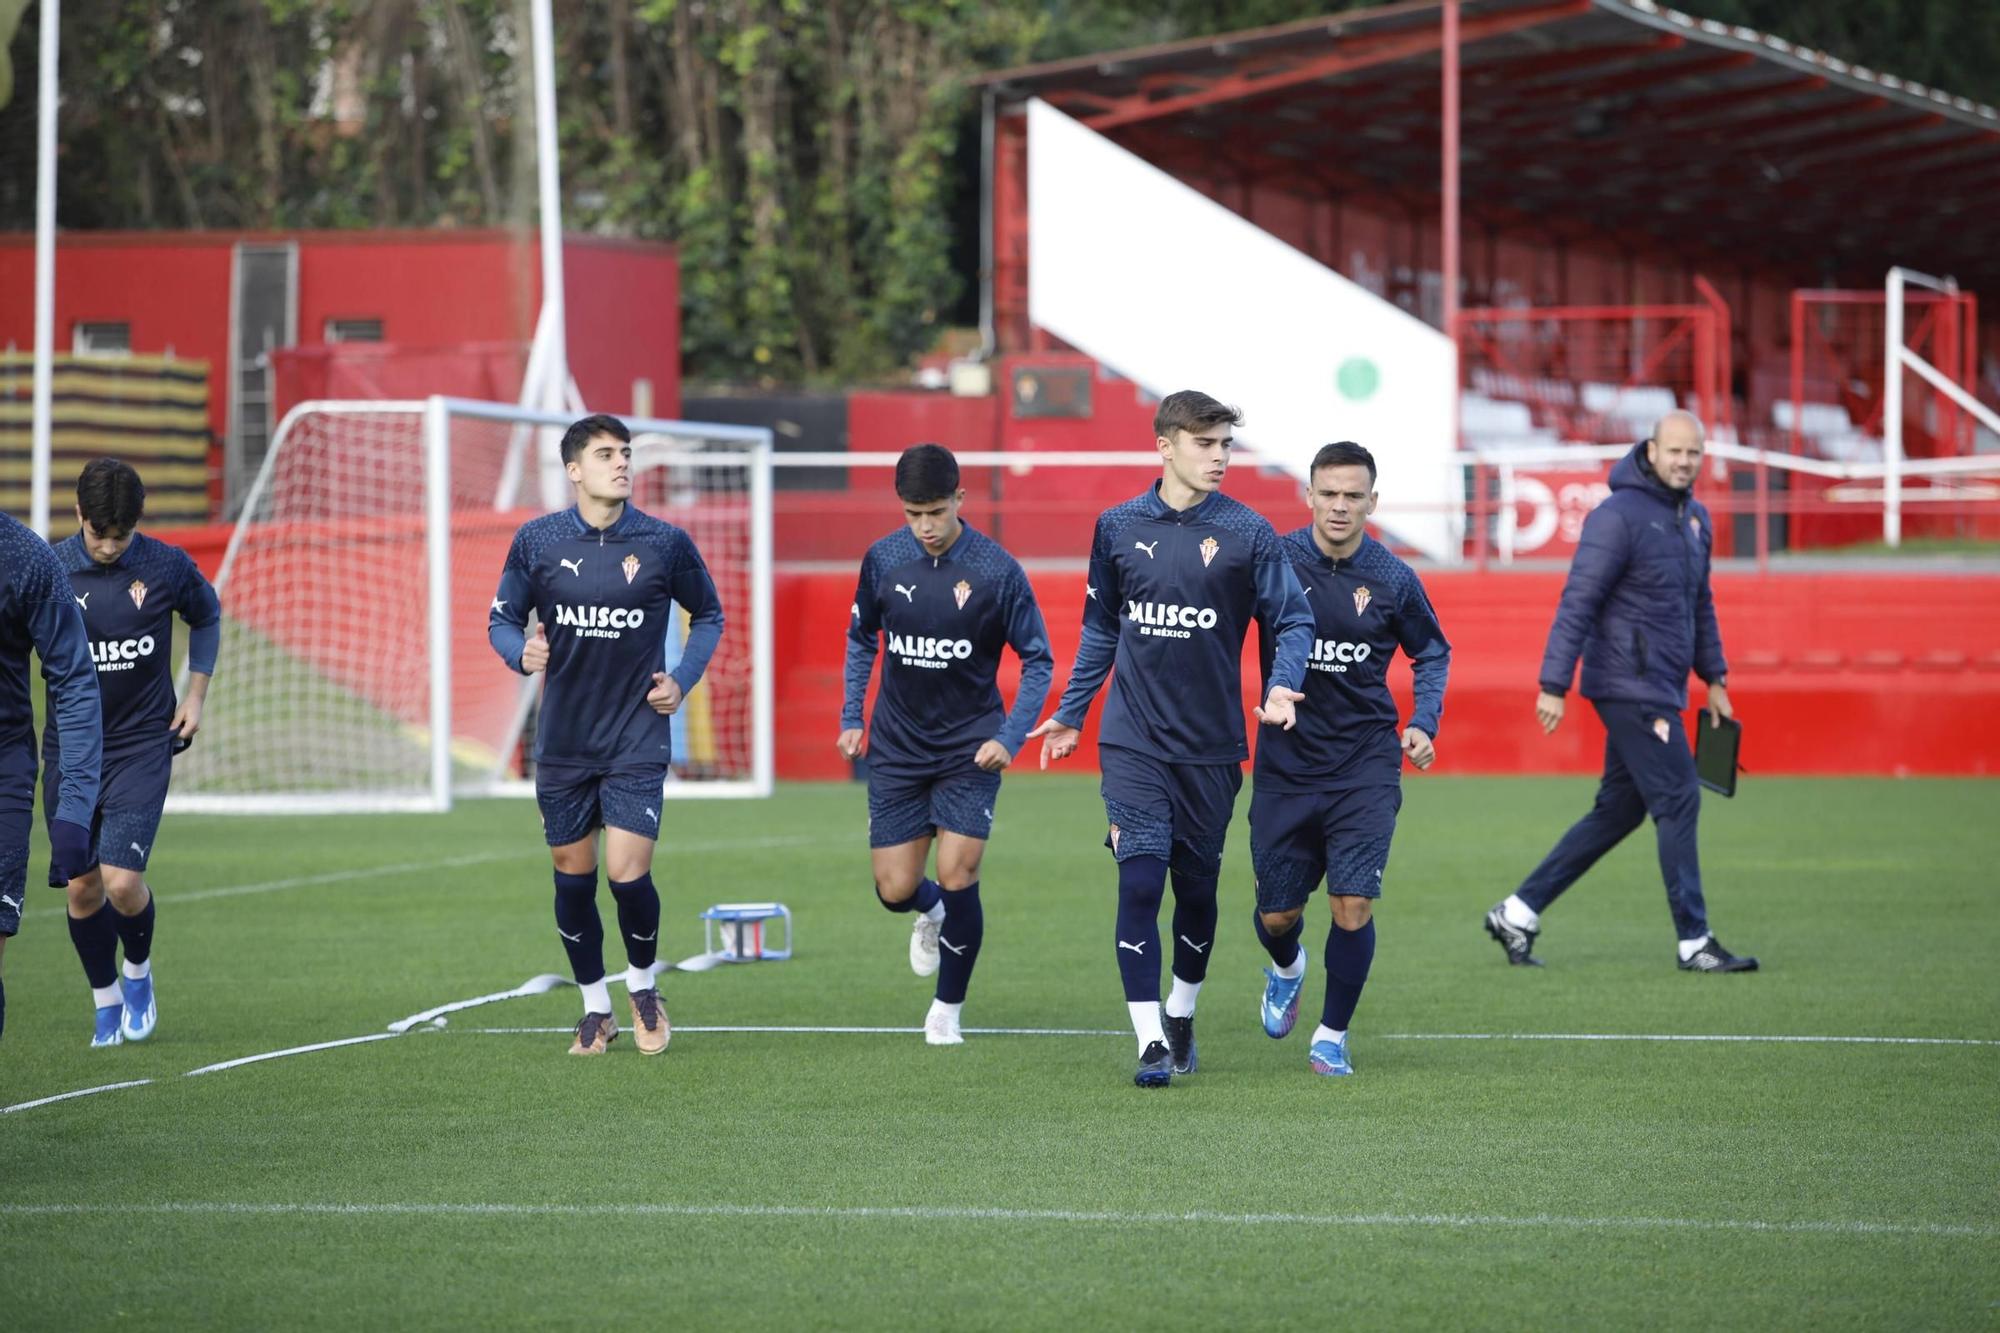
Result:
pixel 1648 770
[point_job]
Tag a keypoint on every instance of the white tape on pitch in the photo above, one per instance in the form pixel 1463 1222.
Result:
pixel 66 1096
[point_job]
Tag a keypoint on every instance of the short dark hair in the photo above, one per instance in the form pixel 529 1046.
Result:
pixel 1343 453
pixel 578 437
pixel 1192 410
pixel 926 472
pixel 110 495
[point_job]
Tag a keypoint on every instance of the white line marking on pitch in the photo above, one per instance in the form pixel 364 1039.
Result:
pixel 1450 1221
pixel 1380 1036
pixel 424 867
pixel 811 1031
pixel 1032 1032
pixel 1682 1036
pixel 80 1092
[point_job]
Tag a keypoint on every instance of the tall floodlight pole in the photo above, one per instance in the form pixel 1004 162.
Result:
pixel 555 364
pixel 545 380
pixel 1448 224
pixel 41 432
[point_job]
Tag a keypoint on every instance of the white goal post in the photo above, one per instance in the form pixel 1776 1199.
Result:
pixel 355 673
pixel 1897 357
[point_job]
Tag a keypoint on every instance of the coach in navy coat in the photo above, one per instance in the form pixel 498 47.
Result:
pixel 1639 610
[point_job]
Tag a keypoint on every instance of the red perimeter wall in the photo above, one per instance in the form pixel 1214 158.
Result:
pixel 1892 673
pixel 1831 674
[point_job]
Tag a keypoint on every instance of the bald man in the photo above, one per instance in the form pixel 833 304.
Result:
pixel 1638 609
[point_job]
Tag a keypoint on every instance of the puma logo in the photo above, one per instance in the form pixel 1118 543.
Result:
pixel 83 601
pixel 573 939
pixel 573 566
pixel 642 939
pixel 1198 948
pixel 955 948
pixel 1139 948
pixel 909 593
pixel 1147 547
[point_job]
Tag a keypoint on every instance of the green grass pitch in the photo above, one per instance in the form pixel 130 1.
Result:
pixel 454 1178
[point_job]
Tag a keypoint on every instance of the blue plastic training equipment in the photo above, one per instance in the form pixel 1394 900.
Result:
pixel 743 938
pixel 1281 1001
pixel 109 1020
pixel 1329 1058
pixel 140 1014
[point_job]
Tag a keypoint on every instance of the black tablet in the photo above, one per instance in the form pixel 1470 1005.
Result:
pixel 1715 753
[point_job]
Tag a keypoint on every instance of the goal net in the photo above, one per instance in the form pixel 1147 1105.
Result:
pixel 355 672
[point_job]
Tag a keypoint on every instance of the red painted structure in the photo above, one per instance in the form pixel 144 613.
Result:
pixel 1831 674
pixel 1612 152
pixel 434 291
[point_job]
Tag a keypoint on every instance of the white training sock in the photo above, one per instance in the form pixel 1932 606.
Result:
pixel 1689 948
pixel 1518 913
pixel 1180 1001
pixel 106 997
pixel 1146 1023
pixel 138 971
pixel 638 979
pixel 1325 1033
pixel 596 997
pixel 937 911
pixel 1296 968
pixel 948 1010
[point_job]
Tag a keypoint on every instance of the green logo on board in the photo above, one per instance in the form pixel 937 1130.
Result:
pixel 1357 378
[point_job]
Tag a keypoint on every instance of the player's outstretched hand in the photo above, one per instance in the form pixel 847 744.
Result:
pixel 665 696
pixel 993 756
pixel 1549 711
pixel 1058 740
pixel 1279 709
pixel 1418 746
pixel 852 744
pixel 535 653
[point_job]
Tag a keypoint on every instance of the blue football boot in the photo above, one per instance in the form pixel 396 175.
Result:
pixel 110 1019
pixel 1329 1058
pixel 1281 1000
pixel 140 1012
pixel 1156 1066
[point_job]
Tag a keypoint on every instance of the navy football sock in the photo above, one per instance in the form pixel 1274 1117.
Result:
pixel 135 932
pixel 638 918
pixel 582 930
pixel 1348 954
pixel 923 900
pixel 1142 882
pixel 3 1006
pixel 958 942
pixel 1284 949
pixel 1194 925
pixel 96 941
